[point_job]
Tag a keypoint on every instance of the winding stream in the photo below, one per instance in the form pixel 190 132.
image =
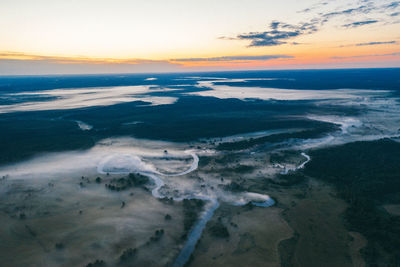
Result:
pixel 301 166
pixel 256 199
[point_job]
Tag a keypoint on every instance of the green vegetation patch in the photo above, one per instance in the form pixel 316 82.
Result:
pixel 234 187
pixel 127 255
pixel 97 263
pixel 218 229
pixel 133 180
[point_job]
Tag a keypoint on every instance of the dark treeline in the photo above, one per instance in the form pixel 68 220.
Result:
pixel 367 176
pixel 24 134
pixel 296 79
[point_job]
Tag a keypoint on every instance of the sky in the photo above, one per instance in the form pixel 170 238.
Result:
pixel 131 36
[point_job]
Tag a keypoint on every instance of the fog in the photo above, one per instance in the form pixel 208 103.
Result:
pixel 242 92
pixel 86 97
pixel 173 167
pixel 121 156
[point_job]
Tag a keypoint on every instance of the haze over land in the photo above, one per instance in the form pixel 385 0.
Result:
pixel 200 133
pixel 176 162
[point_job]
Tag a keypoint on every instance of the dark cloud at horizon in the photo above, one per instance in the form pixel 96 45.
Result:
pixel 393 5
pixel 315 6
pixel 234 58
pixel 373 55
pixel 279 33
pixel 16 63
pixel 364 9
pixel 372 43
pixel 359 23
pixel 376 43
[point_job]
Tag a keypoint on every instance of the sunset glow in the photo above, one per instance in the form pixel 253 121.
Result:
pixel 45 36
